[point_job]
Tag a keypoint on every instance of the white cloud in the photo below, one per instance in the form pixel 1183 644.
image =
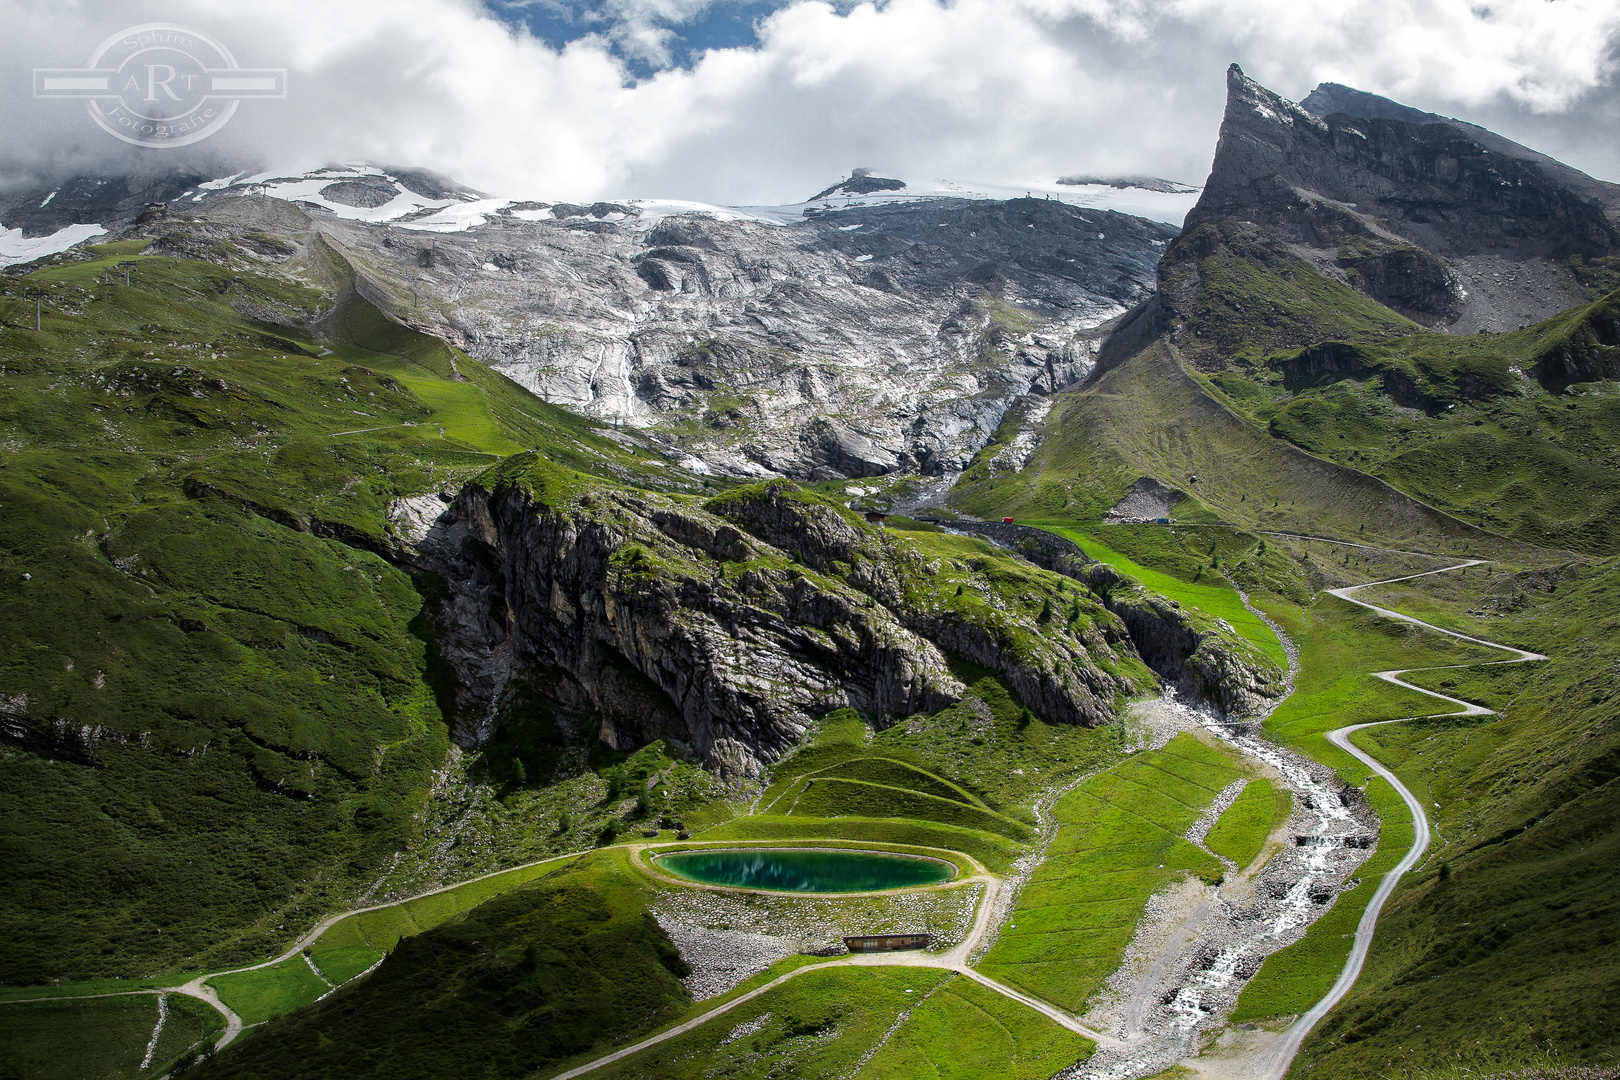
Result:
pixel 971 89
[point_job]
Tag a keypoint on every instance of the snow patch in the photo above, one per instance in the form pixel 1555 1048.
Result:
pixel 16 248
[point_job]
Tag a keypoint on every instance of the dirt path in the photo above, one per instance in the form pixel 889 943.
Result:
pixel 943 962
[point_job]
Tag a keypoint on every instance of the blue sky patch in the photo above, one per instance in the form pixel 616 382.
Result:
pixel 718 24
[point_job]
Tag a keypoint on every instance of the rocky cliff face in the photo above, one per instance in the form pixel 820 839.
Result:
pixel 1443 222
pixel 724 627
pixel 1202 657
pixel 665 620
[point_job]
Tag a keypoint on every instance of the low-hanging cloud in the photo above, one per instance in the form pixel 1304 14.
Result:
pixel 971 89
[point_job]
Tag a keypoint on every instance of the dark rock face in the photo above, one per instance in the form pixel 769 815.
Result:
pixel 1052 669
pixel 1040 547
pixel 1587 351
pixel 1330 98
pixel 1434 185
pixel 726 629
pixel 109 201
pixel 54 740
pixel 359 193
pixel 1201 657
pixel 624 610
pixel 861 183
pixel 1418 212
pixel 1407 279
pixel 1325 362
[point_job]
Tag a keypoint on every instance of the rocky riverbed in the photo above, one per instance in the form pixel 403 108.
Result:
pixel 1196 946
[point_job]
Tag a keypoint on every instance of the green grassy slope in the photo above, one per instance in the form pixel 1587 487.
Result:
pixel 1149 417
pixel 1513 432
pixel 817 1026
pixel 872 1023
pixel 960 778
pixel 1460 422
pixel 962 1031
pixel 227 709
pixel 1232 290
pixel 104 1039
pixel 1208 591
pixel 1242 830
pixel 266 993
pixel 1120 838
pixel 517 984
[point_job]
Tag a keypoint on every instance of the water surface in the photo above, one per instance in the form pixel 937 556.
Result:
pixel 802 870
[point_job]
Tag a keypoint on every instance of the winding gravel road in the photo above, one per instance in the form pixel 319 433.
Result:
pixel 1273 1062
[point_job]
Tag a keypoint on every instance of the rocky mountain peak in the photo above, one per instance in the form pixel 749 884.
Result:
pixel 1416 211
pixel 1329 98
pixel 1247 100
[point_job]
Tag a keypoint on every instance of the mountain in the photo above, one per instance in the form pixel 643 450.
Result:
pixel 371 542
pixel 874 341
pixel 228 583
pixel 1299 289
pixel 1414 212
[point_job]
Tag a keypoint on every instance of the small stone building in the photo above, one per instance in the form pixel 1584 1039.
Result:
pixel 888 942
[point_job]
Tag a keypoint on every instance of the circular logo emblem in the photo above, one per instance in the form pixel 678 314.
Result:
pixel 160 85
pixel 162 82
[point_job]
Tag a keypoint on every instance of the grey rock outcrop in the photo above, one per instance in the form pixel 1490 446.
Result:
pixel 667 622
pixel 111 201
pixel 1200 655
pixel 725 628
pixel 858 342
pixel 1044 549
pixel 1421 213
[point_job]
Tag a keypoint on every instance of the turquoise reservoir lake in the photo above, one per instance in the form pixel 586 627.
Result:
pixel 803 870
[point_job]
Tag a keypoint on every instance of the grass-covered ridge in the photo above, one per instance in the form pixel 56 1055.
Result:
pixel 1231 289
pixel 524 981
pixel 209 682
pixel 959 779
pixel 1514 431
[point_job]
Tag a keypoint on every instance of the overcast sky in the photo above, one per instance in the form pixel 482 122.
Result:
pixel 756 101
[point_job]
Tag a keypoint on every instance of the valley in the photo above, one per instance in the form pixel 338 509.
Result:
pixel 385 589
